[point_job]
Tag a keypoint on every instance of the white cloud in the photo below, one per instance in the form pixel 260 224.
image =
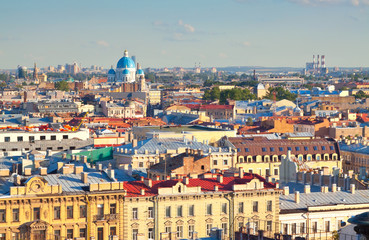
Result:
pixel 102 43
pixel 187 27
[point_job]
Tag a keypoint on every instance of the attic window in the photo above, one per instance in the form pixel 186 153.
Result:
pixel 281 149
pixel 306 148
pixel 323 147
pixel 315 148
pixel 331 147
pixel 263 149
pixel 179 189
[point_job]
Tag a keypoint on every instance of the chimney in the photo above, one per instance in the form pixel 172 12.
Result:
pixel 142 179
pixel 307 189
pixel 286 191
pixel 324 189
pixel 297 197
pixel 148 182
pixel 142 191
pixel 134 143
pixel 334 187
pixel 240 172
pixel 84 159
pixel 84 176
pixel 220 178
pixel 216 188
pixel 60 166
pixel 168 177
pixel 157 178
pixel 111 174
pixel 186 180
pixel 43 171
pixel 78 169
pixel 352 188
pixel 99 167
pixel 17 180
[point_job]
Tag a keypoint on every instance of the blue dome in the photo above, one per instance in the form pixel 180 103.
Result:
pixel 126 62
pixel 140 72
pixel 111 71
pixel 126 72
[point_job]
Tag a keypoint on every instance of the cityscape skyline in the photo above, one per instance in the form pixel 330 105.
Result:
pixel 168 34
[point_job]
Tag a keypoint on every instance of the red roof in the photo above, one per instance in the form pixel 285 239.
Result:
pixel 133 188
pixel 208 107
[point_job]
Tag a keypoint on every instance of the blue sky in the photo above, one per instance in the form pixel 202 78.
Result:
pixel 167 33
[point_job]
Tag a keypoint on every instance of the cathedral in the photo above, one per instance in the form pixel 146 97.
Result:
pixel 126 71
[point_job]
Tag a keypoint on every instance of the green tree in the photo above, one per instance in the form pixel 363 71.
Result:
pixel 249 121
pixel 62 86
pixel 281 93
pixel 361 95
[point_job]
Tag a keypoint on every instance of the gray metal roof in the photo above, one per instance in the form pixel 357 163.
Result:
pixel 163 144
pixel 287 202
pixel 359 148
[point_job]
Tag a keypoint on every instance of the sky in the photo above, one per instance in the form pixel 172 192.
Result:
pixel 169 33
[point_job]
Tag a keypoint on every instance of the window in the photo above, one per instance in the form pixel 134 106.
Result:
pixel 269 226
pixel 240 225
pixel 167 212
pixel 269 205
pixel 302 227
pixel 209 209
pixel 141 164
pixel 309 158
pixel 297 148
pixel 327 226
pixel 113 231
pixel 2 215
pixel 82 232
pixel 289 148
pixel 208 228
pixel 53 137
pixel 42 137
pixel 191 210
pixel 57 234
pixel 285 228
pixel 293 228
pixel 315 148
pixel 191 229
pixel 134 234
pixel 315 227
pixel 281 149
pixel 323 147
pixel 65 136
pixel 82 211
pixel 15 236
pixel 36 213
pixel 318 157
pixel 56 212
pixel 247 150
pixel 134 213
pixel 225 228
pixel 306 148
pixel 6 139
pixel 240 207
pixel 113 208
pixel 225 162
pixel 180 231
pixel 238 149
pixel 224 208
pixel 151 212
pixel 250 170
pixel 2 236
pixel 20 139
pixel 255 206
pixel 263 149
pixel 272 149
pixel 16 215
pixel 70 233
pixel 69 212
pixel 215 162
pixel 179 211
pixel 275 171
pixel 202 167
pixel 150 234
pixel 168 229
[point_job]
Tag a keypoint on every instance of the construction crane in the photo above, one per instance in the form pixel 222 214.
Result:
pixel 79 125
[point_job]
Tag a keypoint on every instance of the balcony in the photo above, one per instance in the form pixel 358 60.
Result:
pixel 106 217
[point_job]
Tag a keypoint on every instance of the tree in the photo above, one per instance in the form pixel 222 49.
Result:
pixel 62 86
pixel 281 93
pixel 249 121
pixel 361 95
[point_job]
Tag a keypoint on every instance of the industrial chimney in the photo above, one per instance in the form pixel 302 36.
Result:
pixel 323 61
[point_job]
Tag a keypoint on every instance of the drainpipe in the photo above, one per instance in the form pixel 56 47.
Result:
pixel 231 215
pixel 155 201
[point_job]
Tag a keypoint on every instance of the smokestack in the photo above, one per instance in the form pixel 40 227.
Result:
pixel 323 61
pixel 313 61
pixel 317 63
